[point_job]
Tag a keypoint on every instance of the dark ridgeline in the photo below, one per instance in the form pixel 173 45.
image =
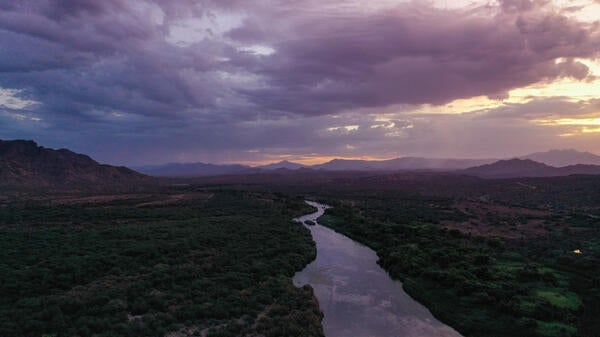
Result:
pixel 25 164
pixel 192 169
pixel 398 164
pixel 284 164
pixel 516 168
pixel 542 164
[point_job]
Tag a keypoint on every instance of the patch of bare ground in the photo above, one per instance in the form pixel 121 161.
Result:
pixel 261 317
pixel 504 221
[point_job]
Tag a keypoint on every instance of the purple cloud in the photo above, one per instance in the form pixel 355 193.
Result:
pixel 111 69
pixel 413 54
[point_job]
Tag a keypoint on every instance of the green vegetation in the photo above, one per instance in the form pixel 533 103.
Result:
pixel 554 329
pixel 482 286
pixel 560 299
pixel 219 263
pixel 515 257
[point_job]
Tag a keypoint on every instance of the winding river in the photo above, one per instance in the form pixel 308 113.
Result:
pixel 358 298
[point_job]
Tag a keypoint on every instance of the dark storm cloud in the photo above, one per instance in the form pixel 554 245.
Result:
pixel 111 70
pixel 104 56
pixel 413 54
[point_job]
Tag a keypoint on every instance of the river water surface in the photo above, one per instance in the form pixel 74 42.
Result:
pixel 357 297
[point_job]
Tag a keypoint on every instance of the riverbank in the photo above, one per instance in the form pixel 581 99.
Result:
pixel 357 296
pixel 481 286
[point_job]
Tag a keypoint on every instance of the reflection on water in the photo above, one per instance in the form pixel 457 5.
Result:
pixel 357 297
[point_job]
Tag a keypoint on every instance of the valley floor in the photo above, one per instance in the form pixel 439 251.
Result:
pixel 216 258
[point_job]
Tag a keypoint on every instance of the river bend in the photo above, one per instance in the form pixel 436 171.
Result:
pixel 358 298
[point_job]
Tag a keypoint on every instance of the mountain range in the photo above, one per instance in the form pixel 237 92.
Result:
pixel 204 169
pixel 401 164
pixel 24 163
pixel 555 158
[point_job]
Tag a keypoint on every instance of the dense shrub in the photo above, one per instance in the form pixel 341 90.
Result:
pixel 216 264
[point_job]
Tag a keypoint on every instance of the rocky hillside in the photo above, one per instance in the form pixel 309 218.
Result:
pixel 24 163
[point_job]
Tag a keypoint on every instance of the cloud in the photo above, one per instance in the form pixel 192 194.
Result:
pixel 216 77
pixel 550 107
pixel 413 54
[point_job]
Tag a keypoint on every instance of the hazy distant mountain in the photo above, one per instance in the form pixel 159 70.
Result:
pixel 282 165
pixel 517 168
pixel 512 168
pixel 560 158
pixel 346 165
pixel 405 163
pixel 191 169
pixel 417 163
pixel 24 163
pixel 553 158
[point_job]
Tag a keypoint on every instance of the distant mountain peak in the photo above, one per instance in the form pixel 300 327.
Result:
pixel 516 168
pixel 518 161
pixel 284 164
pixel 564 157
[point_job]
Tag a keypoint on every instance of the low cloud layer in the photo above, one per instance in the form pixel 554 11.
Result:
pixel 203 80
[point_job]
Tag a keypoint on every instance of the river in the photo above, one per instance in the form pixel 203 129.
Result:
pixel 357 297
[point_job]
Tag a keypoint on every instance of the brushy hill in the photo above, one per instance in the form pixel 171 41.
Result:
pixel 25 164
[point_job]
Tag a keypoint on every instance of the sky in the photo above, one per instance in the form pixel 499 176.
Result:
pixel 257 81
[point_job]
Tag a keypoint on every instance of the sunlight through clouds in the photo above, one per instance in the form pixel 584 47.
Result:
pixel 9 98
pixel 570 121
pixel 325 78
pixel 567 87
